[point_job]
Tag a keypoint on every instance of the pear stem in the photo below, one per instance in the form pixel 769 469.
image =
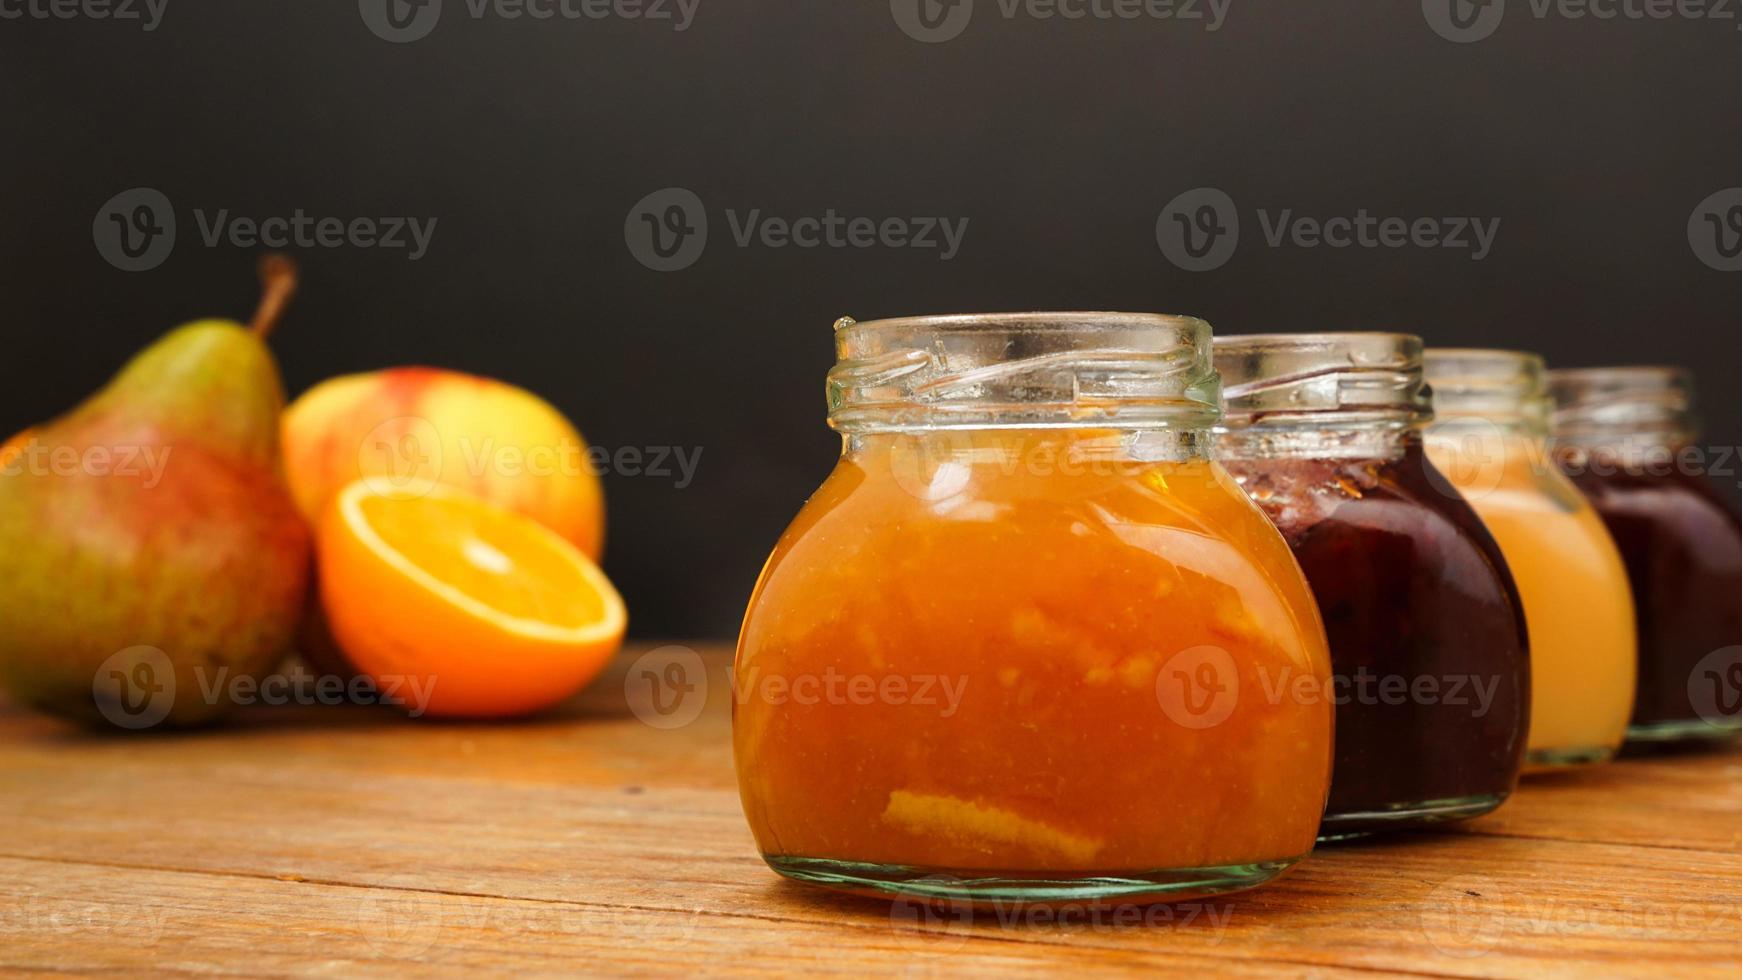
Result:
pixel 277 286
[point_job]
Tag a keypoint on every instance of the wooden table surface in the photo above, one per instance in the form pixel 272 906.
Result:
pixel 311 840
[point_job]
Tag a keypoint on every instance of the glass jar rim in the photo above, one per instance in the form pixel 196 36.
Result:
pixel 1023 370
pixel 1325 379
pixel 1031 319
pixel 1315 338
pixel 1630 376
pixel 1636 397
pixel 1484 367
pixel 1492 383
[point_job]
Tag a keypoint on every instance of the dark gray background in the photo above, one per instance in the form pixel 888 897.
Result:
pixel 1060 140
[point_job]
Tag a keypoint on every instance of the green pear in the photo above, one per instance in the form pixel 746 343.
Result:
pixel 150 554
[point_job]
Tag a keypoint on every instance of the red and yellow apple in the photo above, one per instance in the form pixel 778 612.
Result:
pixel 405 425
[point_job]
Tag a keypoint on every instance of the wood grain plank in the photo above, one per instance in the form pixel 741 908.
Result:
pixel 1678 798
pixel 182 922
pixel 313 841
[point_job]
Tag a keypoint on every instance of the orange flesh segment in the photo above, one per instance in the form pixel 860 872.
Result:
pixel 492 555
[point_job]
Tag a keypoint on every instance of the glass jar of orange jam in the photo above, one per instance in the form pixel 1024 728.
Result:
pixel 1028 642
pixel 1491 443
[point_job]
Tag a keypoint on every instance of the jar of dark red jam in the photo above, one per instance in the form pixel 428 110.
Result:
pixel 1428 644
pixel 1629 439
pixel 1020 644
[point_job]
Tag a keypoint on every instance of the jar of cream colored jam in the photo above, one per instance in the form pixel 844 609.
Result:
pixel 1490 440
pixel 1028 641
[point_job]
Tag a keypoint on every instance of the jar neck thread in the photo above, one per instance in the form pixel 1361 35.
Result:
pixel 1489 389
pixel 1321 394
pixel 1623 410
pixel 1380 439
pixel 1023 371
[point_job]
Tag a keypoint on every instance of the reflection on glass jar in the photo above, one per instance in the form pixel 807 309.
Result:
pixel 1028 642
pixel 1490 440
pixel 1627 437
pixel 1427 636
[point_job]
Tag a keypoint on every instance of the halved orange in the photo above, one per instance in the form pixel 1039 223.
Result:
pixel 14 448
pixel 458 607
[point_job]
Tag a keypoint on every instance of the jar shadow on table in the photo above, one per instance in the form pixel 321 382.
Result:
pixel 322 695
pixel 941 924
pixel 1659 751
pixel 256 719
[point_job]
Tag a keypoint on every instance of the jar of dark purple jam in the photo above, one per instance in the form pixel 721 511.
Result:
pixel 1428 640
pixel 1628 437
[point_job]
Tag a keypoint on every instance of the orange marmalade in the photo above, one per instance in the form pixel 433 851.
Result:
pixel 1027 641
